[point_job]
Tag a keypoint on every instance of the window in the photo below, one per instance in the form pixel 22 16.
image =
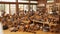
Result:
pixel 12 8
pixel 24 1
pixel 21 7
pixel 4 7
pixel 33 2
pixel 34 7
pixel 49 8
pixel 26 8
pixel 8 0
pixel 31 7
pixel 7 8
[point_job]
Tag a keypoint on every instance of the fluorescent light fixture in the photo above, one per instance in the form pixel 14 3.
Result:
pixel 50 1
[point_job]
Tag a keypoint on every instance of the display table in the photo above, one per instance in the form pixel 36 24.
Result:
pixel 25 21
pixel 50 24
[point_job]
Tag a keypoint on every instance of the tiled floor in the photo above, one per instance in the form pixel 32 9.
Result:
pixel 38 32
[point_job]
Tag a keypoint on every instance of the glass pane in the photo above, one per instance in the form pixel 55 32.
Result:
pixel 24 1
pixel 49 8
pixel 7 8
pixel 31 7
pixel 34 7
pixel 21 7
pixel 13 9
pixel 8 0
pixel 26 8
pixel 33 2
pixel 4 7
pixel 1 8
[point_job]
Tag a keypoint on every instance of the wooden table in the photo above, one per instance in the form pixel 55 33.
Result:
pixel 25 21
pixel 50 24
